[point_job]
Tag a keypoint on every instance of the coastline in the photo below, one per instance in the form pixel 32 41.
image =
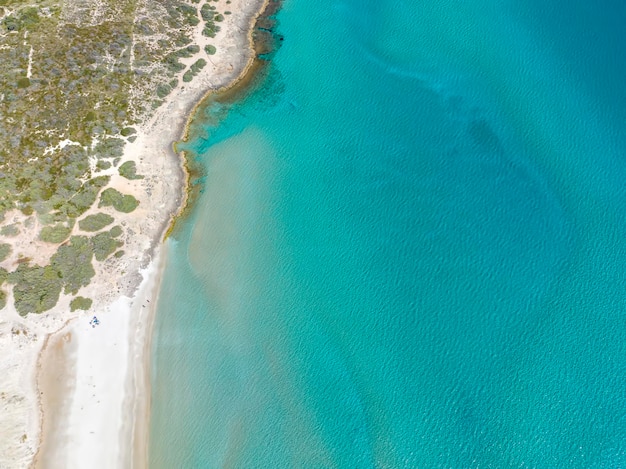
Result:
pixel 229 92
pixel 80 369
pixel 80 396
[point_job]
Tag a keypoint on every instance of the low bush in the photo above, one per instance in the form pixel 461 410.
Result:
pixel 55 234
pixel 73 264
pixel 129 170
pixel 36 289
pixel 188 76
pixel 3 275
pixel 9 230
pixel 85 197
pixel 163 90
pixel 80 302
pixel 122 203
pixel 198 65
pixel 104 245
pixel 5 251
pixel 95 222
pixel 116 231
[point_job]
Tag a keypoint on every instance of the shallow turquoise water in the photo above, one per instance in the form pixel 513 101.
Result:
pixel 410 248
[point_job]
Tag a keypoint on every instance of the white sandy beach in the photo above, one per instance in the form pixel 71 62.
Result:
pixel 77 396
pixel 93 377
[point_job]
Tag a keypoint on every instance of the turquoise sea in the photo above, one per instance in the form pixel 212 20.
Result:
pixel 410 247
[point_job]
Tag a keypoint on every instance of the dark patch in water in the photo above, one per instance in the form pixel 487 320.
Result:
pixel 484 137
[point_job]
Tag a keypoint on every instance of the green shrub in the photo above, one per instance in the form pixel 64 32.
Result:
pixel 198 65
pixel 188 76
pixel 101 165
pixel 36 289
pixel 3 299
pixel 23 82
pixel 207 12
pixel 29 17
pixel 9 230
pixel 3 275
pixel 182 40
pixel 110 148
pixel 183 53
pixel 104 245
pixel 171 60
pixel 122 203
pixel 11 23
pixel 5 251
pixel 209 31
pixel 116 231
pixel 55 234
pixel 126 131
pixel 163 90
pixel 210 49
pixel 95 222
pixel 129 170
pixel 72 262
pixel 80 302
pixel 85 197
pixel 186 9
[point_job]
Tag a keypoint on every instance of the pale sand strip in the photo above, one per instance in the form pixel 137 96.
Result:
pixel 95 381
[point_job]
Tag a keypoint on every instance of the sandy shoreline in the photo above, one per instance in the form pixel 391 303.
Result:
pixel 76 396
pixel 88 374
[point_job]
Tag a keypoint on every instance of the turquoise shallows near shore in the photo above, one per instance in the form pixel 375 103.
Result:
pixel 410 250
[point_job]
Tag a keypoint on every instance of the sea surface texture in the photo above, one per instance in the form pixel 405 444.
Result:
pixel 410 247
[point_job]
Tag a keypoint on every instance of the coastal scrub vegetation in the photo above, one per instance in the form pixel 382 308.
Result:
pixel 73 263
pixel 55 233
pixel 129 170
pixel 105 244
pixel 3 295
pixel 95 222
pixel 122 203
pixel 37 289
pixel 76 79
pixel 9 231
pixel 80 302
pixel 5 251
pixel 194 70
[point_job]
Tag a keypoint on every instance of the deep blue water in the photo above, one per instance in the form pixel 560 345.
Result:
pixel 410 249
